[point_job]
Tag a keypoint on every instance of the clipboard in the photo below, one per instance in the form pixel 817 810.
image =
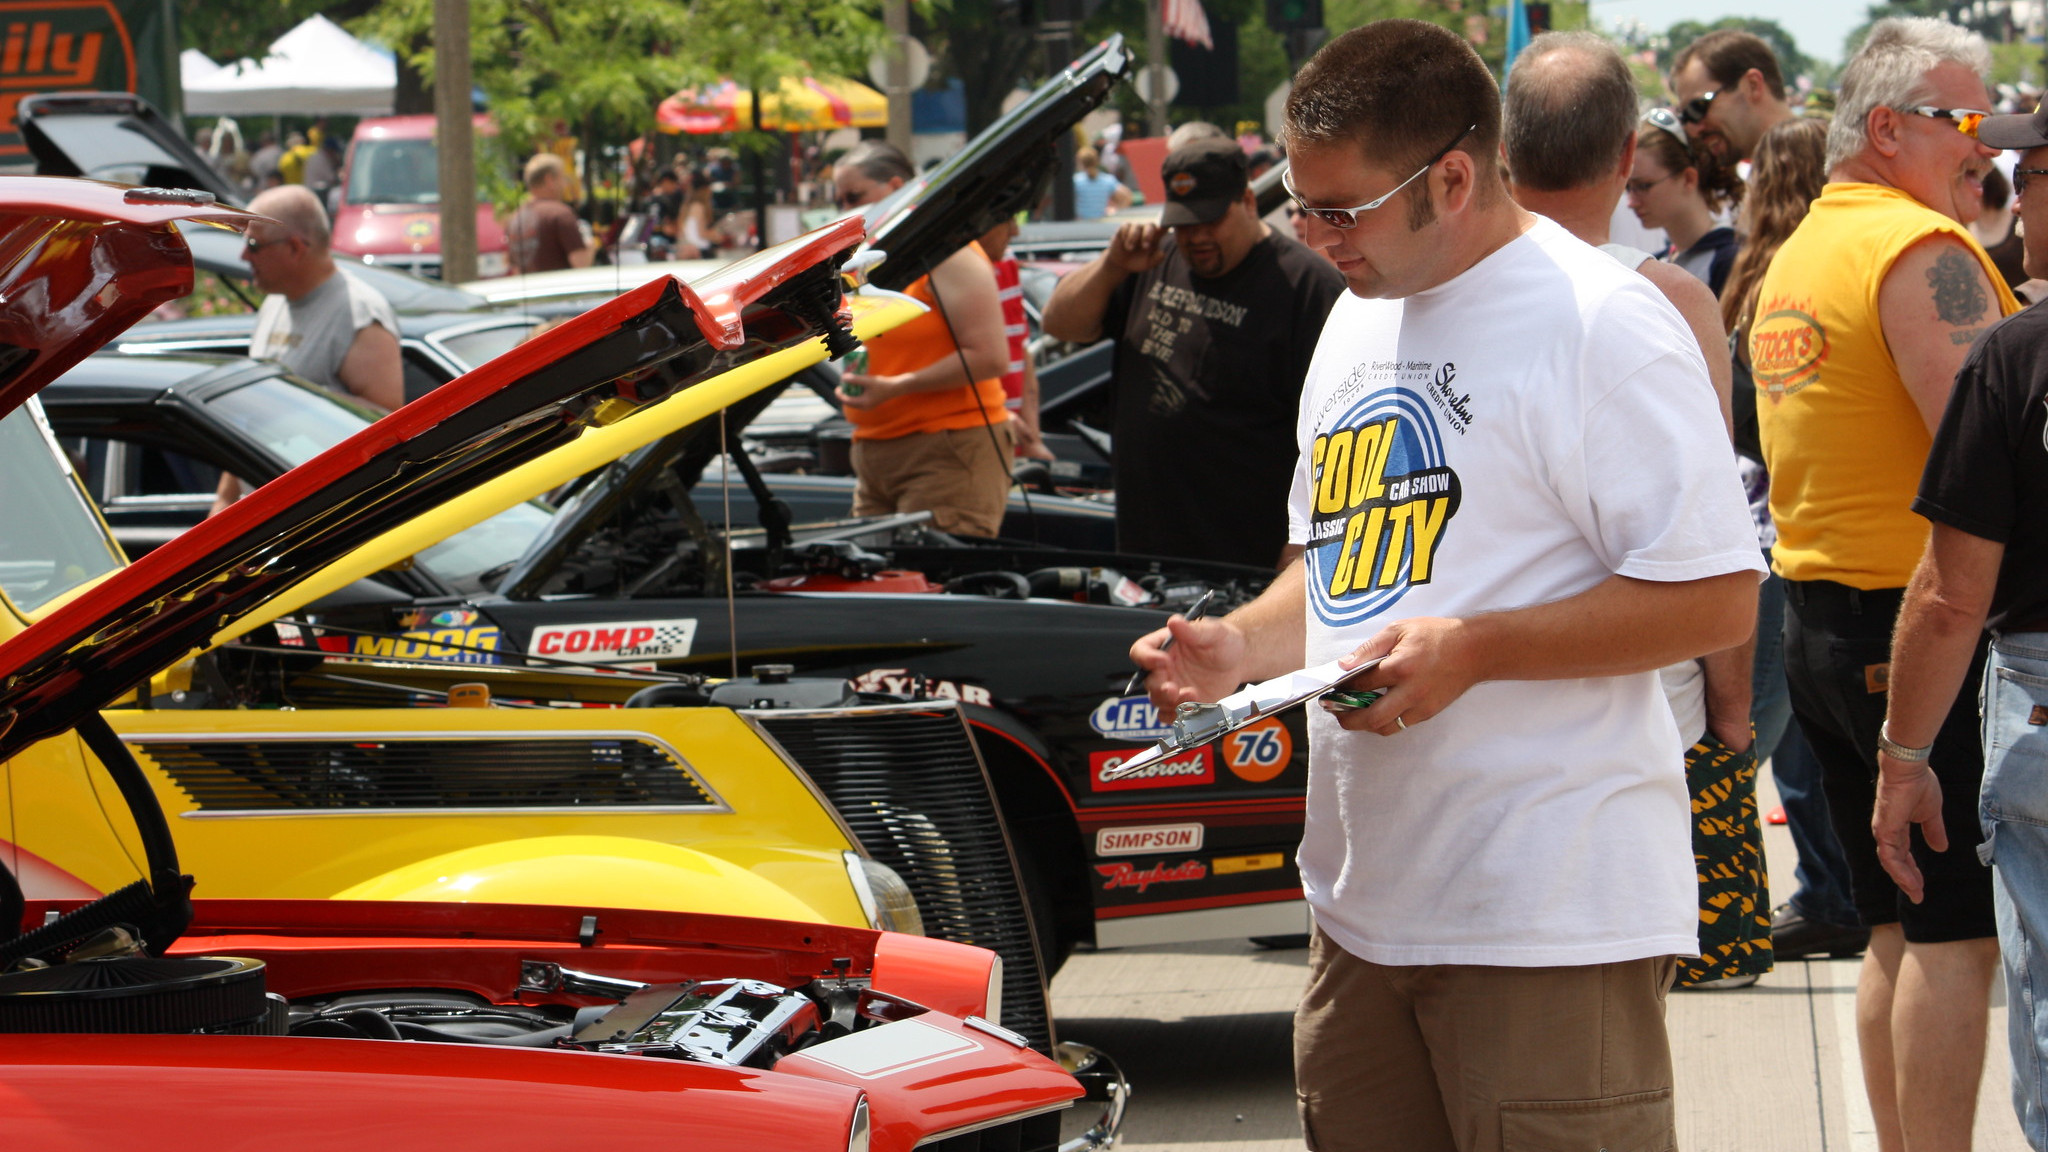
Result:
pixel 1195 724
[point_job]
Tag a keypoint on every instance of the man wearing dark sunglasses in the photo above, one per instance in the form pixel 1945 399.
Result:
pixel 1863 319
pixel 1514 484
pixel 1729 92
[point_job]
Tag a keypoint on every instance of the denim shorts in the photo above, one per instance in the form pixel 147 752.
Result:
pixel 2014 810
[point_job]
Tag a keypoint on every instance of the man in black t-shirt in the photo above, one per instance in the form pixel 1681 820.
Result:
pixel 1215 317
pixel 1986 566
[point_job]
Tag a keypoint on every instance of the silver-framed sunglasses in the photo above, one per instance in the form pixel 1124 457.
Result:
pixel 1347 218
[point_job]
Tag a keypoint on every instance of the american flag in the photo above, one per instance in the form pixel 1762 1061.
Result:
pixel 1185 21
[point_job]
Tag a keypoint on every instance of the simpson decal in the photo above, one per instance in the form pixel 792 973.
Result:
pixel 1130 718
pixel 1188 768
pixel 1155 838
pixel 614 640
pixel 1130 876
pixel 1382 494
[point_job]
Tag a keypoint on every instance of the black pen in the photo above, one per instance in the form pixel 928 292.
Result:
pixel 1194 612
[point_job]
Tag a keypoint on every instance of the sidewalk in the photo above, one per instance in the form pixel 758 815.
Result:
pixel 1203 1032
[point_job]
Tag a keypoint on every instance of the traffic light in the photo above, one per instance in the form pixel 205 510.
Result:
pixel 1285 15
pixel 1539 18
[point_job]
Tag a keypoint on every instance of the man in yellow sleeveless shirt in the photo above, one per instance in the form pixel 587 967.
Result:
pixel 1863 319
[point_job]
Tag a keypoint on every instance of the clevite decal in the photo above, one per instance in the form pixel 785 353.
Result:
pixel 1148 839
pixel 614 640
pixel 1189 768
pixel 1130 718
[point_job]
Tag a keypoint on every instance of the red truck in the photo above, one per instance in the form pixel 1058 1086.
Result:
pixel 390 211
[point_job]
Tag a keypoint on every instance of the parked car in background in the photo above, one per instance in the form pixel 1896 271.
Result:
pixel 739 1033
pixel 390 208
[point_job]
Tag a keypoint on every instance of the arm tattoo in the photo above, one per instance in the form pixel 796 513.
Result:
pixel 1958 287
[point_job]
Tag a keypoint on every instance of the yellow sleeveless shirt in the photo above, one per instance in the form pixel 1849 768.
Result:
pixel 1844 442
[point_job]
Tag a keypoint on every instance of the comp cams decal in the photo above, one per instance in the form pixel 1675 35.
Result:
pixel 1383 493
pixel 613 640
pixel 1152 838
pixel 1192 767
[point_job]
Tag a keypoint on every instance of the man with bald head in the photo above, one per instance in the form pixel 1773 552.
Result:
pixel 319 321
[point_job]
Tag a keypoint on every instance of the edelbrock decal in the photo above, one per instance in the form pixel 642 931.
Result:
pixel 1194 767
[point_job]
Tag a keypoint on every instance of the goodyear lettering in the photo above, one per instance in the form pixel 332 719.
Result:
pixel 454 645
pixel 1129 876
pixel 903 682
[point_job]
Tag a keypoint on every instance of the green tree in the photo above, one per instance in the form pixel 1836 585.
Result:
pixel 599 67
pixel 228 30
pixel 1792 62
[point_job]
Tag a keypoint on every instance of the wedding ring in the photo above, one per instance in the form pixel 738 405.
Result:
pixel 1402 723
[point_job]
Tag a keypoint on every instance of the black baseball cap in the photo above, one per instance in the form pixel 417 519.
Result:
pixel 2021 130
pixel 1203 180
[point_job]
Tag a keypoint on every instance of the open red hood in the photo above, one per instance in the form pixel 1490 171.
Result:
pixel 650 343
pixel 81 261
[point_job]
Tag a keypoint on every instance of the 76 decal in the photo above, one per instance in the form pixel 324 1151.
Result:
pixel 1258 752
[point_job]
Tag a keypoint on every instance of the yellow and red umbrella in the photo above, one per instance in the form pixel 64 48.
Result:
pixel 797 104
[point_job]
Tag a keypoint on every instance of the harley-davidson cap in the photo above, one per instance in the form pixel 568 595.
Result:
pixel 1202 180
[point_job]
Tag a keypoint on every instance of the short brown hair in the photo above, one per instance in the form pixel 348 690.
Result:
pixel 1571 110
pixel 1728 55
pixel 1399 89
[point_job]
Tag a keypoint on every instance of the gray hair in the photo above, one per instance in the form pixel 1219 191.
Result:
pixel 880 161
pixel 1193 131
pixel 1570 112
pixel 297 208
pixel 1890 71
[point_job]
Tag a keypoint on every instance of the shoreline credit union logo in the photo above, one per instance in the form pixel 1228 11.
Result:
pixel 59 46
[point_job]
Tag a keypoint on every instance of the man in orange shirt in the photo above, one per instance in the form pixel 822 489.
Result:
pixel 930 432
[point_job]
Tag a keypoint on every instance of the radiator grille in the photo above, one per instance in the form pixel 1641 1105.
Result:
pixel 910 785
pixel 262 774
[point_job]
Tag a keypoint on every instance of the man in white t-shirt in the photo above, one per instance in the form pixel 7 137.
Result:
pixel 1513 485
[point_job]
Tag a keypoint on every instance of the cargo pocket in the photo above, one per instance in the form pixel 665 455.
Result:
pixel 1639 1122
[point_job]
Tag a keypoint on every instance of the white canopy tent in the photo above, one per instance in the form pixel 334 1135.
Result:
pixel 315 69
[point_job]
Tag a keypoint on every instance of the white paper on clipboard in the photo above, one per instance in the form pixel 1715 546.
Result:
pixel 1195 724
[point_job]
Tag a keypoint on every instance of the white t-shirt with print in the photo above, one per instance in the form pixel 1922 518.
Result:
pixel 1510 438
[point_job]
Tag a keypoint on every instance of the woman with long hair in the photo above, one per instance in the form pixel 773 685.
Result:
pixel 1785 178
pixel 1682 192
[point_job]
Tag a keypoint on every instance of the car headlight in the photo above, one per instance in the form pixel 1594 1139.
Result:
pixel 884 897
pixel 857 1135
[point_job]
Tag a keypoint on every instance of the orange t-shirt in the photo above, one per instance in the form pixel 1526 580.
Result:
pixel 912 346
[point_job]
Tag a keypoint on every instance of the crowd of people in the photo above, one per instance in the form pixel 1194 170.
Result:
pixel 1608 528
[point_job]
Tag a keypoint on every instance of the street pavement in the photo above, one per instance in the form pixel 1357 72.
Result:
pixel 1202 1031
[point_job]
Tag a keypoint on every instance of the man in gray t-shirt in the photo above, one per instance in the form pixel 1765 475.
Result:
pixel 318 320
